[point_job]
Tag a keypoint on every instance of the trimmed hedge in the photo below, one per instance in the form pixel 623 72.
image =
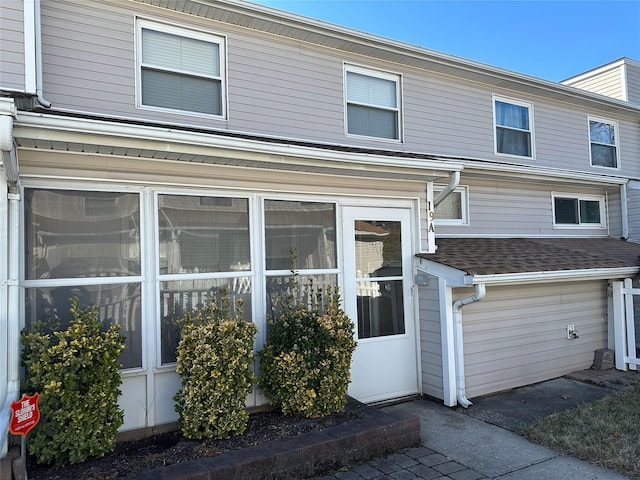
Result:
pixel 77 373
pixel 306 359
pixel 215 355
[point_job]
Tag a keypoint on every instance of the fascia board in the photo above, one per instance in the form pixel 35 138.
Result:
pixel 555 276
pixel 454 277
pixel 533 173
pixel 60 129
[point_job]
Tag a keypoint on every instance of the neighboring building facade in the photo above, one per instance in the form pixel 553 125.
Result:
pixel 153 156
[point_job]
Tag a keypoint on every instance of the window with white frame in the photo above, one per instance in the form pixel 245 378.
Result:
pixel 372 103
pixel 180 69
pixel 603 142
pixel 572 211
pixel 453 210
pixel 513 127
pixel 84 245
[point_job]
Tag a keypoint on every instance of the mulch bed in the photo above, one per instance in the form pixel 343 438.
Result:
pixel 171 448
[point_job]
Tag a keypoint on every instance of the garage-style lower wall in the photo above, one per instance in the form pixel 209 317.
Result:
pixel 517 335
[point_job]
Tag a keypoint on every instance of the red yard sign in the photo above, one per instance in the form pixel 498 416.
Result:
pixel 24 414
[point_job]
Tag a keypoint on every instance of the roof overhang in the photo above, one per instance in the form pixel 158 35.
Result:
pixel 460 278
pixel 103 137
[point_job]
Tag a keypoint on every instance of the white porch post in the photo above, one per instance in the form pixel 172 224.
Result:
pixel 447 337
pixel 619 324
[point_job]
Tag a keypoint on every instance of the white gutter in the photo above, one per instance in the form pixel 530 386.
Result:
pixel 75 130
pixel 459 342
pixel 453 183
pixel 532 172
pixel 624 211
pixel 9 291
pixel 553 276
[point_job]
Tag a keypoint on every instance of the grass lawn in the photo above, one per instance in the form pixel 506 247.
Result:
pixel 605 432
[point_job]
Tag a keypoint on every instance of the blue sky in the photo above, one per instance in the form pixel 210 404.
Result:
pixel 543 38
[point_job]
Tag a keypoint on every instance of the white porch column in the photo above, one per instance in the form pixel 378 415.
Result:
pixel 619 324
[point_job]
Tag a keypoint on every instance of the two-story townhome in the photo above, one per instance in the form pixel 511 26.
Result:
pixel 478 222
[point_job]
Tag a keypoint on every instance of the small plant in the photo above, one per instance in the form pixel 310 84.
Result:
pixel 306 359
pixel 215 354
pixel 77 374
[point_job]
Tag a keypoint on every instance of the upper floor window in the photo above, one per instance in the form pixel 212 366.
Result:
pixel 373 103
pixel 514 128
pixel 180 69
pixel 453 209
pixel 604 143
pixel 570 210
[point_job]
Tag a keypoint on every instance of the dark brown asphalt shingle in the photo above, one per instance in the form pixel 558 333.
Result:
pixel 494 256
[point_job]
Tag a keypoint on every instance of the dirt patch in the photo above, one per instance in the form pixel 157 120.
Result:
pixel 170 448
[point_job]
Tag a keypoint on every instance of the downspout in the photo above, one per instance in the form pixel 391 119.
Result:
pixel 624 211
pixel 33 51
pixel 453 183
pixel 459 342
pixel 9 289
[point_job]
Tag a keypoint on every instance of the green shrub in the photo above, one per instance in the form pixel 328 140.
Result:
pixel 77 374
pixel 215 354
pixel 306 359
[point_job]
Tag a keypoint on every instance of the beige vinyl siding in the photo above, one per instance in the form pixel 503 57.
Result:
pixel 510 209
pixel 431 339
pixel 633 197
pixel 606 81
pixel 633 82
pixel 12 53
pixel 517 335
pixel 293 89
pixel 614 212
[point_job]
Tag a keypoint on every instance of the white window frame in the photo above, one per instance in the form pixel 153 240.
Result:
pixel 578 197
pixel 463 190
pixel 520 103
pixel 220 40
pixel 394 77
pixel 615 145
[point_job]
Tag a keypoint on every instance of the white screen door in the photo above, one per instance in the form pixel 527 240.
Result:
pixel 377 297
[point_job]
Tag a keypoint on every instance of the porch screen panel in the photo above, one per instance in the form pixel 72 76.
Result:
pixel 304 230
pixel 204 251
pixel 299 236
pixel 73 237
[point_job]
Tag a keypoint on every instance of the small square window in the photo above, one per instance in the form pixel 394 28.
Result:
pixel 578 211
pixel 453 209
pixel 513 128
pixel 180 69
pixel 603 143
pixel 372 103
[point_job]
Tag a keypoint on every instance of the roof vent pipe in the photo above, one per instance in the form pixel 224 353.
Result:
pixel 453 183
pixel 459 342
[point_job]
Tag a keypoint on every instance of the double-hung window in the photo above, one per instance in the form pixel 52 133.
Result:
pixel 572 211
pixel 180 69
pixel 372 103
pixel 513 127
pixel 603 142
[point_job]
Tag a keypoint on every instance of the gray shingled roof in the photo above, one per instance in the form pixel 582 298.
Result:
pixel 494 256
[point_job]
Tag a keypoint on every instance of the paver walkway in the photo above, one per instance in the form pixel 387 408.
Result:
pixel 458 446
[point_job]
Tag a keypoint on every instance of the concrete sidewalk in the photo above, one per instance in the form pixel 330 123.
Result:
pixel 480 444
